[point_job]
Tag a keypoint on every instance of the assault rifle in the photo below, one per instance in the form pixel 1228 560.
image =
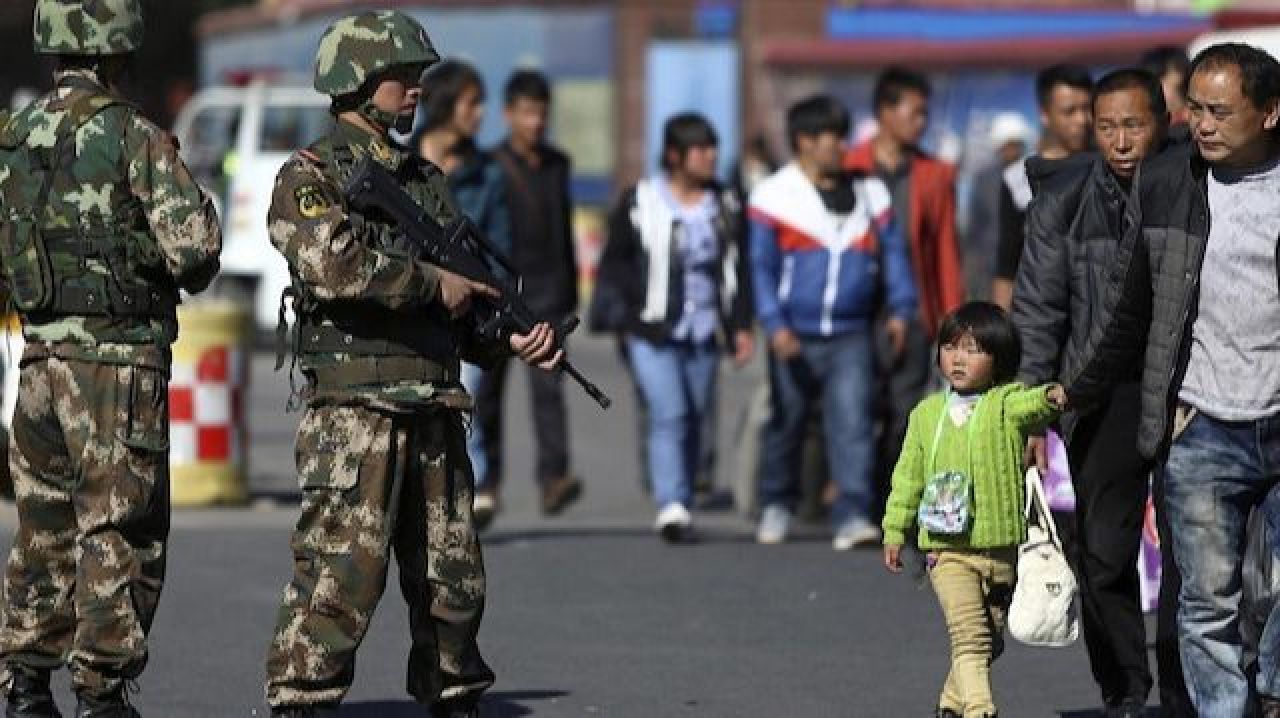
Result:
pixel 463 249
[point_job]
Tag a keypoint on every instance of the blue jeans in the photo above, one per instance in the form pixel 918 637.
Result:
pixel 1217 472
pixel 471 376
pixel 678 380
pixel 839 372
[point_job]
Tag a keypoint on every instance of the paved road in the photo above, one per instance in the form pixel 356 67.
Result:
pixel 589 614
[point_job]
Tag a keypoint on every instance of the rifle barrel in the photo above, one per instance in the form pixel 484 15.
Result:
pixel 592 390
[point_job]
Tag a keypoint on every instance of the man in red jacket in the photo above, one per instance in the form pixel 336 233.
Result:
pixel 923 196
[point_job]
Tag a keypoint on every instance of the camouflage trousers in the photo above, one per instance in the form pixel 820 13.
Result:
pixel 90 463
pixel 373 481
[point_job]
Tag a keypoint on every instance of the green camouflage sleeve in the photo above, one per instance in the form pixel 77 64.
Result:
pixel 181 215
pixel 308 225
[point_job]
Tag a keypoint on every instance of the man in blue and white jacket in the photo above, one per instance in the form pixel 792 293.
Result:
pixel 826 258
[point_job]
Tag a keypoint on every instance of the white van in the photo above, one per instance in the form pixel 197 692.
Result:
pixel 235 139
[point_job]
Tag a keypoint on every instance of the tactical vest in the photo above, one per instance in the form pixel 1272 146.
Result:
pixel 379 345
pixel 74 241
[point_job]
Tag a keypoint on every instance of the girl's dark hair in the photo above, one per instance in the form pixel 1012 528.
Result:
pixel 682 133
pixel 442 87
pixel 993 332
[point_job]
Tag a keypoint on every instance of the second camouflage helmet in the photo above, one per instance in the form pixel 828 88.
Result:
pixel 358 47
pixel 87 27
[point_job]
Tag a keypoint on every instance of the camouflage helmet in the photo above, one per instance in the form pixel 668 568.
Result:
pixel 87 27
pixel 358 47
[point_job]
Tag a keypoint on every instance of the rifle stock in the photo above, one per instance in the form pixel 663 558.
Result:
pixel 462 249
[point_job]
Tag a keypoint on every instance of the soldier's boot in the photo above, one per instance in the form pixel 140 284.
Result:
pixel 456 709
pixel 29 694
pixel 108 705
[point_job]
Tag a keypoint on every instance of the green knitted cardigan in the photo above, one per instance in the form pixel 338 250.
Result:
pixel 992 456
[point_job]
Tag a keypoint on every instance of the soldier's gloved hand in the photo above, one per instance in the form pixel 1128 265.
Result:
pixel 538 347
pixel 456 292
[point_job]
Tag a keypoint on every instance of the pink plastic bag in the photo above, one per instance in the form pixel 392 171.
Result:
pixel 1057 481
pixel 1149 560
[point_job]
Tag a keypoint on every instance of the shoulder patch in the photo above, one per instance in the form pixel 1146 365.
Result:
pixel 380 151
pixel 9 135
pixel 311 199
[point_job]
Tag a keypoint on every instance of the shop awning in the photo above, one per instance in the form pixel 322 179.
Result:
pixel 1003 38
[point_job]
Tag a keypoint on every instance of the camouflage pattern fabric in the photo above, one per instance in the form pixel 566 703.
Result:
pixel 89 444
pixel 373 481
pixel 358 47
pixel 382 464
pixel 343 258
pixel 126 184
pixel 90 462
pixel 88 27
pixel 309 224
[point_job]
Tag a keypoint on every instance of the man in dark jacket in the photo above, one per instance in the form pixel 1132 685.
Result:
pixel 1073 229
pixel 1062 91
pixel 1196 284
pixel 537 179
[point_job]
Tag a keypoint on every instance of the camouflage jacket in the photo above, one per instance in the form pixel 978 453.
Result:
pixel 123 208
pixel 370 326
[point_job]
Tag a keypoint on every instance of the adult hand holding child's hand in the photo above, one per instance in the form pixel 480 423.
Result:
pixel 1057 396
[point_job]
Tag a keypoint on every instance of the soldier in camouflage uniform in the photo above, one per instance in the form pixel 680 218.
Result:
pixel 381 450
pixel 100 226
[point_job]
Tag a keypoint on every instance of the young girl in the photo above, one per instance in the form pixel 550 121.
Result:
pixel 962 459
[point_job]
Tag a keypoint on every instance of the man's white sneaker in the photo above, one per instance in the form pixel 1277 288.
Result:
pixel 854 533
pixel 674 522
pixel 483 508
pixel 775 524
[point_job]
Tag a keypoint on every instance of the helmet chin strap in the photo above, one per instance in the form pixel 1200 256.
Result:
pixel 400 122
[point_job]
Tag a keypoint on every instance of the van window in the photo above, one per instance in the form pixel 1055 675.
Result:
pixel 287 128
pixel 208 150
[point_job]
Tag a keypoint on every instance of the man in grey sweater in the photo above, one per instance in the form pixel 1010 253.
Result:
pixel 1200 288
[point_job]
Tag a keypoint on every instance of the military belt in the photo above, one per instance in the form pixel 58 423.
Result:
pixel 382 338
pixel 381 370
pixel 127 302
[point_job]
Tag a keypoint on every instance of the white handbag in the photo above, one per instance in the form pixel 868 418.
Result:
pixel 1045 609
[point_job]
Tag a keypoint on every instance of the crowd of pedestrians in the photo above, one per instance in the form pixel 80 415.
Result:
pixel 1142 221
pixel 1135 307
pixel 518 195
